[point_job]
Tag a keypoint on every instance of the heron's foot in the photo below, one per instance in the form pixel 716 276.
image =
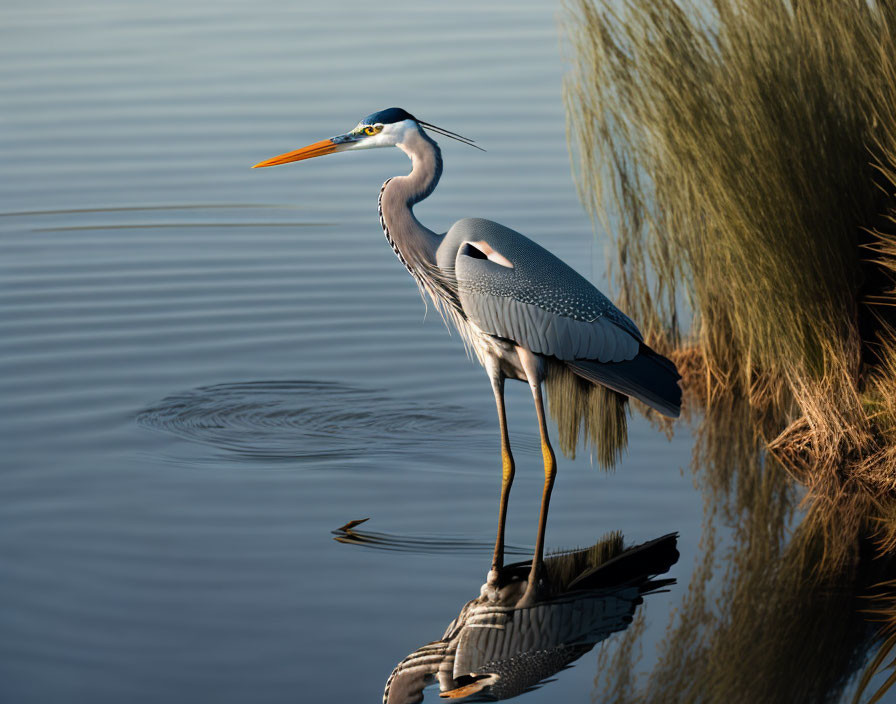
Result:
pixel 534 587
pixel 536 572
pixel 490 589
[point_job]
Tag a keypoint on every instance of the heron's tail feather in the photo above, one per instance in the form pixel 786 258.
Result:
pixel 649 377
pixel 589 411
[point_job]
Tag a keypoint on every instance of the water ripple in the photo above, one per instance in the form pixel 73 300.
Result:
pixel 179 226
pixel 289 420
pixel 421 544
pixel 149 208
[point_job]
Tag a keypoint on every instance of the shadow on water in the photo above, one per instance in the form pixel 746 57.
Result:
pixel 496 649
pixel 300 420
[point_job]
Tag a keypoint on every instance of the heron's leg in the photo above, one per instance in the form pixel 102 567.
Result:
pixel 534 374
pixel 507 472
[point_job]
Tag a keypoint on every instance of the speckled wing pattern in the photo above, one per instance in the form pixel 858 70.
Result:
pixel 540 302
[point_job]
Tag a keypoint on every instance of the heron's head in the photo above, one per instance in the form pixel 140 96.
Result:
pixel 387 128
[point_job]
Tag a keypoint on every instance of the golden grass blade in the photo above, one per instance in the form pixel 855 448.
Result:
pixel 884 688
pixel 872 668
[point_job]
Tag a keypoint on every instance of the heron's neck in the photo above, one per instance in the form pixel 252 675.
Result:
pixel 414 244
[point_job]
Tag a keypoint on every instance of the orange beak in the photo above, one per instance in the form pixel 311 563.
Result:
pixel 327 146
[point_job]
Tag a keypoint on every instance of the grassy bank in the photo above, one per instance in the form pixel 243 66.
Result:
pixel 743 154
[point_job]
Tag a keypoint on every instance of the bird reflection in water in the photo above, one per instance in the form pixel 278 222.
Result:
pixel 496 649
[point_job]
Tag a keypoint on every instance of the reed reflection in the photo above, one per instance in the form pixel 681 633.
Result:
pixel 496 649
pixel 778 610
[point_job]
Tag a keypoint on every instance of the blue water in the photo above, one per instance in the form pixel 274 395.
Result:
pixel 205 369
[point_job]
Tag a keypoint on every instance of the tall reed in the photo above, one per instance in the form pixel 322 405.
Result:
pixel 742 153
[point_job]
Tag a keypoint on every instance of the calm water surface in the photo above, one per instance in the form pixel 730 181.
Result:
pixel 207 369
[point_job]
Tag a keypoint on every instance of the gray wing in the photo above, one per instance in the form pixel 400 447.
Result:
pixel 539 301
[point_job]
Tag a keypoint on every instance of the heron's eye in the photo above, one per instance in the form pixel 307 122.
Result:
pixel 371 130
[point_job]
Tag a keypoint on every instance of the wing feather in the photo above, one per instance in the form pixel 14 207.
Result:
pixel 538 302
pixel 611 342
pixel 590 341
pixel 548 333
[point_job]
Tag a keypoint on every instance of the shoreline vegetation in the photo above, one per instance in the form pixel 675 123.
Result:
pixel 743 155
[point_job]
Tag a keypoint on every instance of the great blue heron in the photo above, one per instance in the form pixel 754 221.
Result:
pixel 522 311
